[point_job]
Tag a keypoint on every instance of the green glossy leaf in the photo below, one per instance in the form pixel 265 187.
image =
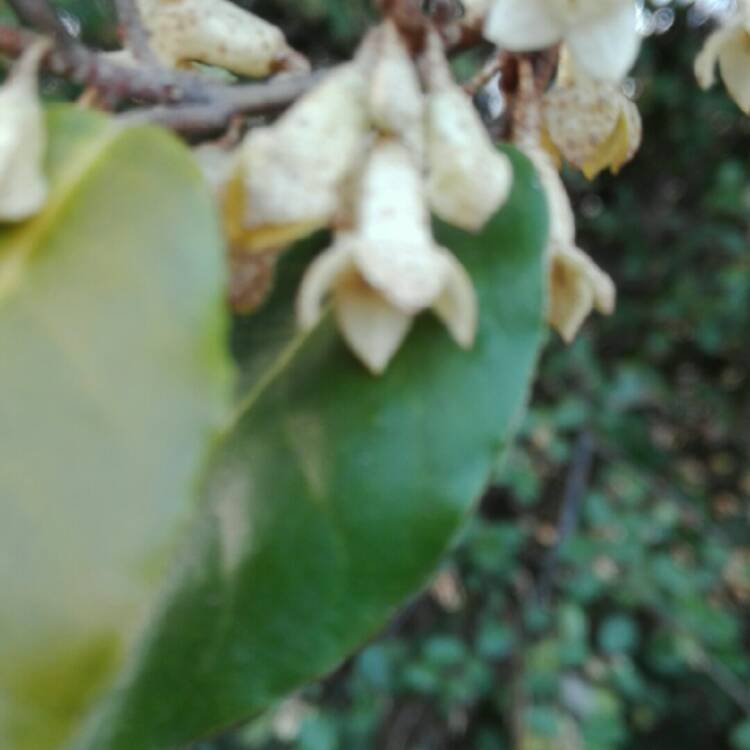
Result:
pixel 113 382
pixel 335 493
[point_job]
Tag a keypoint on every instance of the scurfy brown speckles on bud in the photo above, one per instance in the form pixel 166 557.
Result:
pixel 217 32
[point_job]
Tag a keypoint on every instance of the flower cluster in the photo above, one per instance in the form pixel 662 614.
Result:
pixel 380 144
pixel 384 142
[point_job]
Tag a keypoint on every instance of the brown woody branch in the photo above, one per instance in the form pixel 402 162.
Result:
pixel 196 119
pixel 188 102
pixel 86 67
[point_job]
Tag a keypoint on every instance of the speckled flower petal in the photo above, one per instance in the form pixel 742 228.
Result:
pixel 292 171
pixel 592 124
pixel 578 118
pixel 216 32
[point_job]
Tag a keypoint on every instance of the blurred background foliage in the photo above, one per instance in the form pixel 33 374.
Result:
pixel 600 599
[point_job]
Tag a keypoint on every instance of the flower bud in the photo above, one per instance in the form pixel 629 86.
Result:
pixel 290 175
pixel 592 125
pixel 729 46
pixel 217 32
pixel 23 140
pixel 468 179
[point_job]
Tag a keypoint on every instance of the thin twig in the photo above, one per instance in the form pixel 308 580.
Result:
pixel 196 119
pixel 203 102
pixel 135 35
pixel 575 490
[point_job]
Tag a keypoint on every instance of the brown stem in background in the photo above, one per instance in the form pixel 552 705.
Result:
pixel 203 118
pixel 524 79
pixel 135 36
pixel 198 103
pixel 76 63
pixel 415 17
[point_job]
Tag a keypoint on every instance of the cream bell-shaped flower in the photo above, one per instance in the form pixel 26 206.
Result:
pixel 219 33
pixel 601 34
pixel 576 284
pixel 388 267
pixel 729 47
pixel 468 179
pixel 290 175
pixel 23 140
pixel 591 124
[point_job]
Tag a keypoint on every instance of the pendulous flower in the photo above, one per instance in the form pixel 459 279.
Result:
pixel 601 34
pixel 219 33
pixel 591 124
pixel 368 153
pixel 468 179
pixel 729 47
pixel 576 285
pixel 23 140
pixel 387 267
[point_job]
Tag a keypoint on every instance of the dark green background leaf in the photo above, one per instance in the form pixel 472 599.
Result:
pixel 334 494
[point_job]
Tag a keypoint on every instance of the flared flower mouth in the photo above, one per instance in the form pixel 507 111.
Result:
pixel 370 152
pixel 576 285
pixel 388 268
